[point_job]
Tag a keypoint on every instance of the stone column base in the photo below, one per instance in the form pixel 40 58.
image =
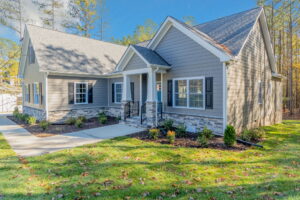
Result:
pixel 151 114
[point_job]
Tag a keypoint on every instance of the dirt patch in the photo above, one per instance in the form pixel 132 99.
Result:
pixel 190 140
pixel 55 129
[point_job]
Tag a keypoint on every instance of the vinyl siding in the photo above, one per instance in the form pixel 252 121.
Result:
pixel 189 59
pixel 133 78
pixel 252 66
pixel 58 92
pixel 135 63
pixel 32 74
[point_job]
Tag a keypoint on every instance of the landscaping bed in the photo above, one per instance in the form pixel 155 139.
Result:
pixel 57 129
pixel 190 140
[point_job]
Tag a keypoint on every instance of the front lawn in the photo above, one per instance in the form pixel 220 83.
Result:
pixel 128 168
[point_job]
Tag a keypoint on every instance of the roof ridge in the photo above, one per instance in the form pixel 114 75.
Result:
pixel 259 7
pixel 36 26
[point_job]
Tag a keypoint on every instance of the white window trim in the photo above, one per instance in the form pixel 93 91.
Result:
pixel 36 93
pixel 115 92
pixel 188 92
pixel 86 93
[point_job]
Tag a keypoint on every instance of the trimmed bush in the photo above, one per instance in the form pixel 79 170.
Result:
pixel 24 117
pixel 181 130
pixel 78 123
pixel 168 124
pixel 204 136
pixel 154 133
pixel 44 125
pixel 171 136
pixel 82 118
pixel 253 135
pixel 71 121
pixel 102 114
pixel 102 119
pixel 31 120
pixel 202 140
pixel 16 112
pixel 229 136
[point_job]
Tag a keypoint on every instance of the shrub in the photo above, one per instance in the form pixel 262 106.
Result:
pixel 78 123
pixel 24 117
pixel 229 136
pixel 171 136
pixel 181 130
pixel 253 135
pixel 16 112
pixel 204 136
pixel 71 121
pixel 82 118
pixel 102 114
pixel 154 133
pixel 44 125
pixel 31 120
pixel 102 119
pixel 203 140
pixel 168 124
pixel 119 118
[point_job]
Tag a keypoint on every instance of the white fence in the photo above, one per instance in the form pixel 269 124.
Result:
pixel 8 102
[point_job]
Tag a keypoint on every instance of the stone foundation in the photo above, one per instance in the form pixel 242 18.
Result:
pixel 39 114
pixel 195 123
pixel 60 116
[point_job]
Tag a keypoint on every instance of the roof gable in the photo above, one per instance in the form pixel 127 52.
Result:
pixel 231 31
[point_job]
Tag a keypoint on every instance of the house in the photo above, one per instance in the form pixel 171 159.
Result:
pixel 212 74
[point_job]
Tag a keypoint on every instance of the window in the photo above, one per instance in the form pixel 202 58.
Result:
pixel 118 92
pixel 36 93
pixel 27 92
pixel 81 93
pixel 189 92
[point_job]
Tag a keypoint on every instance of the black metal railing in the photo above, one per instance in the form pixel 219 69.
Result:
pixel 143 112
pixel 160 110
pixel 131 109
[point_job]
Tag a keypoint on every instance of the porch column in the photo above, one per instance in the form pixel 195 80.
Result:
pixel 126 94
pixel 151 99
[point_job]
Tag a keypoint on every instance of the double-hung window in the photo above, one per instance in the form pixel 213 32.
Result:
pixel 81 93
pixel 118 92
pixel 189 92
pixel 36 93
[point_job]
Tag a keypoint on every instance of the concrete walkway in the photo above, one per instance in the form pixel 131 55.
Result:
pixel 26 144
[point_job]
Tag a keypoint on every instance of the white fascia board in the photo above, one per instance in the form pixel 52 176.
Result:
pixel 171 22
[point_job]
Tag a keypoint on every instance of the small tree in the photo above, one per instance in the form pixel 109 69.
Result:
pixel 229 136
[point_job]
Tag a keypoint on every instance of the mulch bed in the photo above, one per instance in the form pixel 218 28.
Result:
pixel 58 129
pixel 190 140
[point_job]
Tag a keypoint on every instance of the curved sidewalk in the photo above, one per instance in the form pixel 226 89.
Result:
pixel 26 144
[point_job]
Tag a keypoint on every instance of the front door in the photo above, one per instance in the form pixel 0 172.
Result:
pixel 158 90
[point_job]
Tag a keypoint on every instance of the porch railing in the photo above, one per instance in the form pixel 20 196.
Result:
pixel 143 112
pixel 131 109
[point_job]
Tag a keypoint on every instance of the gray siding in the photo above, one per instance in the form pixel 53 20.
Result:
pixel 58 92
pixel 189 59
pixel 133 78
pixel 252 66
pixel 135 63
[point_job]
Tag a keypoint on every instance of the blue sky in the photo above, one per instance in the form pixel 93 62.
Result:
pixel 124 15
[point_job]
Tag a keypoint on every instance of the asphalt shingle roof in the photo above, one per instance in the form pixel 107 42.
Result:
pixel 67 53
pixel 231 31
pixel 151 56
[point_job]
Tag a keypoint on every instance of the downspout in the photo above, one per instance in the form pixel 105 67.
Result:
pixel 156 102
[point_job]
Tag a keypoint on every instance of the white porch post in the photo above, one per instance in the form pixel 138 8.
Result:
pixel 126 94
pixel 151 90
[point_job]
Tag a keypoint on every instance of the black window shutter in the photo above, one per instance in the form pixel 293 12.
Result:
pixel 28 89
pixel 170 93
pixel 71 93
pixel 90 86
pixel 132 90
pixel 41 93
pixel 113 93
pixel 209 93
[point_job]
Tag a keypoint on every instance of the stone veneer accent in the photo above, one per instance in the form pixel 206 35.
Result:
pixel 39 114
pixel 195 123
pixel 150 114
pixel 61 116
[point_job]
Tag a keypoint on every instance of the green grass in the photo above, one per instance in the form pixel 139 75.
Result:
pixel 127 168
